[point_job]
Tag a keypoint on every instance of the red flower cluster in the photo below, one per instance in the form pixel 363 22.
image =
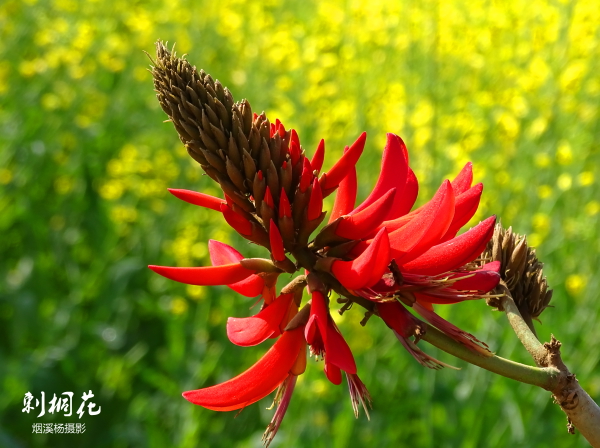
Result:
pixel 379 254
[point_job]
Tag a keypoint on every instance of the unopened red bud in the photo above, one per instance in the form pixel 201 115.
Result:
pixel 319 156
pixel 364 223
pixel 269 198
pixel 344 165
pixel 307 176
pixel 277 249
pixel 285 177
pixel 315 205
pixel 284 205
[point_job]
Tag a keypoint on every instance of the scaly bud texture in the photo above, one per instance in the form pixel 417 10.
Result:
pixel 379 254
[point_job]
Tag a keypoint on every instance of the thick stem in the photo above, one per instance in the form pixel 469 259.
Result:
pixel 582 412
pixel 543 377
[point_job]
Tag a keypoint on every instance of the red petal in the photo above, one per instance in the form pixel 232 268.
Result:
pixel 315 203
pixel 465 207
pixel 368 267
pixel 307 175
pixel 318 314
pixel 337 351
pixel 277 249
pixel 221 254
pixel 343 166
pixel 253 330
pixel 408 196
pixel 482 281
pixel 463 181
pixel 269 198
pixel 317 160
pixel 285 210
pixel 453 253
pixel 333 373
pixel 426 228
pixel 196 198
pixel 363 223
pixel 492 266
pixel 255 383
pixel 294 147
pixel 345 197
pixel 238 222
pixel 205 276
pixel 397 318
pixel 394 172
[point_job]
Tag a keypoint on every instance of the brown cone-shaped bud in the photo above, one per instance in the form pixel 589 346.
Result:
pixel 232 144
pixel 520 269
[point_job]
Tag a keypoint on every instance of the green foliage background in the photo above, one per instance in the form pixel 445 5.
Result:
pixel 85 162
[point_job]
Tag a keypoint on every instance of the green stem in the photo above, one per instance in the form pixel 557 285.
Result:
pixel 545 378
pixel 520 327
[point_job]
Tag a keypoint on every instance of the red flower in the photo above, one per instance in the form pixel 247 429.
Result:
pixel 380 250
pixel 255 383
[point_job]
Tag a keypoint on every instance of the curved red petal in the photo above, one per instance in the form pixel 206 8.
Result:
pixel 343 166
pixel 462 182
pixel 277 249
pixel 397 317
pixel 205 276
pixel 465 206
pixel 255 383
pixel 220 254
pixel 238 222
pixel 318 309
pixel 382 259
pixel 333 373
pixel 317 159
pixel 269 198
pixel 371 264
pixel 196 198
pixel 454 253
pixel 285 209
pixel 408 196
pixel 249 331
pixel 294 147
pixel 345 197
pixel 482 281
pixel 315 203
pixel 337 351
pixel 492 266
pixel 394 173
pixel 307 175
pixel 426 228
pixel 363 223
pixel 251 287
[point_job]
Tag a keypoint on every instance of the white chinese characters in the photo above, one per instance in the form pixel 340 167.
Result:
pixel 62 403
